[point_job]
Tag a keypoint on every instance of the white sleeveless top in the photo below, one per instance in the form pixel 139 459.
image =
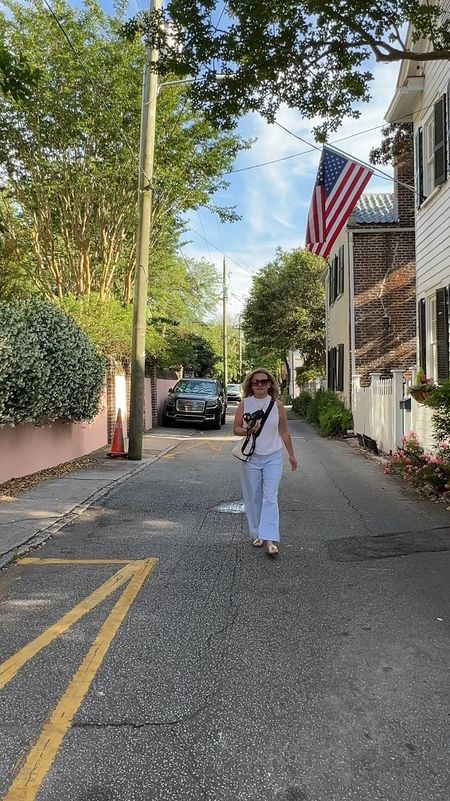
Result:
pixel 269 440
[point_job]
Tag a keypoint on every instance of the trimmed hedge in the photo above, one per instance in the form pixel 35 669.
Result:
pixel 325 410
pixel 49 368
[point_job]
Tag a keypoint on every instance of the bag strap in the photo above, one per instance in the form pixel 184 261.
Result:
pixel 263 419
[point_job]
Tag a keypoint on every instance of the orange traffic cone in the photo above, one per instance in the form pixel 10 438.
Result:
pixel 117 448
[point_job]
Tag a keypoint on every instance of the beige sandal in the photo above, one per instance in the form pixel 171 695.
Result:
pixel 258 543
pixel 272 550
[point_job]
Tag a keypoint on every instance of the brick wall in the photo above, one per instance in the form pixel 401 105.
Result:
pixel 405 199
pixel 385 301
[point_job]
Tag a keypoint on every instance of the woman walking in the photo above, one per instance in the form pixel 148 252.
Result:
pixel 261 474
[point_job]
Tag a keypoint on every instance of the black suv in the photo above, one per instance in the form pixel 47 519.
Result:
pixel 195 400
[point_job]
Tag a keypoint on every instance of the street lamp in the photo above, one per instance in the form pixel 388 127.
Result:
pixel 150 92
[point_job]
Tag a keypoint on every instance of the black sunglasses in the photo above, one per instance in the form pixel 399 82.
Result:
pixel 260 381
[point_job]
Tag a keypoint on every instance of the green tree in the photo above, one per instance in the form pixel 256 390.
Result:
pixel 17 77
pixel 70 156
pixel 286 309
pixel 314 55
pixel 195 353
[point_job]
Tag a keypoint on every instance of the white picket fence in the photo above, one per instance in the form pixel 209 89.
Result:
pixel 376 410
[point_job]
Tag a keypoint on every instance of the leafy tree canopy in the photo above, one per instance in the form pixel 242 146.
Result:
pixel 312 55
pixel 70 157
pixel 286 308
pixel 195 353
pixel 17 77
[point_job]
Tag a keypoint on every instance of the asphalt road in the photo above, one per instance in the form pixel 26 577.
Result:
pixel 217 673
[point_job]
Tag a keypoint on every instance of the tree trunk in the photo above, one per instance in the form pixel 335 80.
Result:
pixel 288 371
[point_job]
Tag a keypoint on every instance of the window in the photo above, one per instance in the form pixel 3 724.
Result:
pixel 430 151
pixel 340 368
pixel 421 328
pixel 335 369
pixel 340 269
pixel 431 338
pixel 331 371
pixel 336 276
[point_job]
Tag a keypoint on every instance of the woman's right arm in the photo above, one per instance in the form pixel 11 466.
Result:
pixel 238 428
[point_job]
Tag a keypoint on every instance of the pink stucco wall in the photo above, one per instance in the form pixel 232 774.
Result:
pixel 163 386
pixel 148 403
pixel 26 449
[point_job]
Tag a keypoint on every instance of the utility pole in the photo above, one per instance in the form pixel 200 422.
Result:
pixel 224 325
pixel 145 197
pixel 240 349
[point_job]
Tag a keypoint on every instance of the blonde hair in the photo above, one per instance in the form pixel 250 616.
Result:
pixel 247 388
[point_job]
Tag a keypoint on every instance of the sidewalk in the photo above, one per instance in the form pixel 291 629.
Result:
pixel 34 515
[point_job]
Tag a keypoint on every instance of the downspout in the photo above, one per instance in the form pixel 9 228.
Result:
pixel 325 276
pixel 352 313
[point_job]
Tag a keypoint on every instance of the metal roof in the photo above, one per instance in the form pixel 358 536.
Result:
pixel 376 208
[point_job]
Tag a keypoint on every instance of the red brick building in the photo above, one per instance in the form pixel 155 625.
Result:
pixel 371 317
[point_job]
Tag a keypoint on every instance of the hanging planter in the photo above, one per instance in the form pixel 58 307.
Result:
pixel 422 395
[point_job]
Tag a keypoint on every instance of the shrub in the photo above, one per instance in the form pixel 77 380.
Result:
pixel 325 410
pixel 49 368
pixel 301 404
pixel 429 471
pixel 334 420
pixel 440 401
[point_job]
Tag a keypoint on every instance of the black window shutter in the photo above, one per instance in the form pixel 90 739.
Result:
pixel 340 369
pixel 419 167
pixel 329 369
pixel 332 284
pixel 341 270
pixel 330 299
pixel 421 327
pixel 448 125
pixel 440 142
pixel 442 335
pixel 334 358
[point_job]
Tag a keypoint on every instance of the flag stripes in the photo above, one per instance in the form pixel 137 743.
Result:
pixel 339 184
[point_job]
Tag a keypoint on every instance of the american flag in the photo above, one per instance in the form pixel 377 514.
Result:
pixel 339 184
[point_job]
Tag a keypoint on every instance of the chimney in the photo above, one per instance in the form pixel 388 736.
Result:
pixel 404 178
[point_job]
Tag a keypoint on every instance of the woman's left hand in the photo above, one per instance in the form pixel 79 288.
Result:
pixel 293 462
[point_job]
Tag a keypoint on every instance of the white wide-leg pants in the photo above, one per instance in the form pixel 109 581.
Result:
pixel 260 477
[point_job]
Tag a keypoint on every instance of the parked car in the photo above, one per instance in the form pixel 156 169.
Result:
pixel 196 400
pixel 234 393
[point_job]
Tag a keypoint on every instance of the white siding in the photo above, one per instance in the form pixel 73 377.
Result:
pixel 432 229
pixel 433 218
pixel 338 325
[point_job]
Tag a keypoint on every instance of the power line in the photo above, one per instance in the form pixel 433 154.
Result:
pixel 379 172
pixel 241 266
pixel 333 142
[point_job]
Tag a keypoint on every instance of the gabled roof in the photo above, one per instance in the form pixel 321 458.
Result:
pixel 376 208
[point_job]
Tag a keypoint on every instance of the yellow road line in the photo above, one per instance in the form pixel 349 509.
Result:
pixel 40 759
pixel 32 560
pixel 11 666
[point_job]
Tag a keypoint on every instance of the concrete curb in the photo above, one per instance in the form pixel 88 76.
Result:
pixel 41 536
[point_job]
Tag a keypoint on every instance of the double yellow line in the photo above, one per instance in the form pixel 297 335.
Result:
pixel 40 759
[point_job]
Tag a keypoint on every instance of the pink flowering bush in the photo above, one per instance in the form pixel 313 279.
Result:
pixel 428 471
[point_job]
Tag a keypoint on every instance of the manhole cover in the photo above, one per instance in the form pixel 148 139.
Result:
pixel 384 546
pixel 232 507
